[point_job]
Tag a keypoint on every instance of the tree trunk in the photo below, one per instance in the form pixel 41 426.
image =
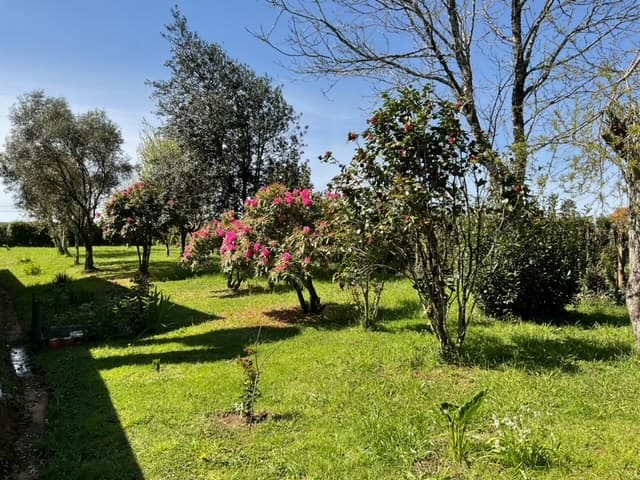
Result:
pixel 88 256
pixel 144 260
pixel 633 283
pixel 315 306
pixel 183 240
pixel 76 242
pixel 166 246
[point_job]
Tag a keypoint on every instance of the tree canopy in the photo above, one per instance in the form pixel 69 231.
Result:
pixel 235 127
pixel 61 165
pixel 510 64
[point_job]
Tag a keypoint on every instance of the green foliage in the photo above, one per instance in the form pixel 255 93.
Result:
pixel 235 127
pixel 459 418
pixel 283 234
pixel 537 267
pixel 143 310
pixel 61 278
pixel 33 269
pixel 250 392
pixel 24 234
pixel 419 187
pixel 516 445
pixel 61 165
pixel 138 215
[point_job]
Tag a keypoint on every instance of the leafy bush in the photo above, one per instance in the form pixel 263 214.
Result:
pixel 33 269
pixel 26 234
pixel 537 267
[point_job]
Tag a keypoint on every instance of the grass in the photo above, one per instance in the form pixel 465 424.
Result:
pixel 343 403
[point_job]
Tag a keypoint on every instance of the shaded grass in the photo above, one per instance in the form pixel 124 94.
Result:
pixel 344 403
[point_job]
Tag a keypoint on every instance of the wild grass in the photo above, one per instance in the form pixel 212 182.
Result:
pixel 342 403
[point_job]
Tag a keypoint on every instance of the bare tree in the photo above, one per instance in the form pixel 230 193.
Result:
pixel 510 63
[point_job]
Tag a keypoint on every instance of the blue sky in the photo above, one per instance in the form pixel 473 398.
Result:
pixel 99 55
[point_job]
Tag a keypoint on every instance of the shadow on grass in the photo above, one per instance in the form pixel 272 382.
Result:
pixel 208 347
pixel 595 318
pixel 84 437
pixel 334 316
pixel 536 354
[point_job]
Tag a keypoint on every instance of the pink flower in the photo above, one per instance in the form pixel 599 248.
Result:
pixel 171 203
pixel 256 247
pixel 249 254
pixel 289 199
pixel 129 220
pixel 352 136
pixel 287 257
pixel 373 120
pixel 306 197
pixel 403 153
pixel 251 203
pixel 266 253
pixel 333 195
pixel 277 201
pixel 98 214
pixel 452 140
pixel 307 260
pixel 306 230
pixel 408 127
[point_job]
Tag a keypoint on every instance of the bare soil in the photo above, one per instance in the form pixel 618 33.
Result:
pixel 25 414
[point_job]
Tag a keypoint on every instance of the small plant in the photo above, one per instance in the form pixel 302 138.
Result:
pixel 157 309
pixel 459 418
pixel 518 445
pixel 24 260
pixel 155 364
pixel 61 278
pixel 33 269
pixel 250 392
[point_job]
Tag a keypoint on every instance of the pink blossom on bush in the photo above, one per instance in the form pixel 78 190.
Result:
pixel 251 203
pixel 287 257
pixel 306 230
pixel 129 220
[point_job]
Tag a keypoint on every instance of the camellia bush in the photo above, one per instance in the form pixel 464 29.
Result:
pixel 138 215
pixel 282 234
pixel 418 184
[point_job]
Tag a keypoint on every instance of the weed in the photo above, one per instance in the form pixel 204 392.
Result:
pixel 459 418
pixel 33 269
pixel 61 278
pixel 517 445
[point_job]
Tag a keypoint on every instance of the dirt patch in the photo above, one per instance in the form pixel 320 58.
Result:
pixel 26 411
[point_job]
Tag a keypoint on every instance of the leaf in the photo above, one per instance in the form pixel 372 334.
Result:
pixel 469 409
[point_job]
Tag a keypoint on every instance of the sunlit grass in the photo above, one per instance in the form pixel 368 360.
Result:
pixel 344 403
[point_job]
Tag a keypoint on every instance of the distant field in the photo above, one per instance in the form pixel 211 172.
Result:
pixel 343 403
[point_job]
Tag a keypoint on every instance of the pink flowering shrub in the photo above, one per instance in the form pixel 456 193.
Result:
pixel 281 235
pixel 138 215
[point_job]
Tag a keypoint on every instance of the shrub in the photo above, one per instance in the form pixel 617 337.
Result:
pixel 537 267
pixel 27 234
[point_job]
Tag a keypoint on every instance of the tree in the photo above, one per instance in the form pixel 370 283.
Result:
pixel 167 168
pixel 61 165
pixel 235 128
pixel 430 196
pixel 621 131
pixel 139 214
pixel 510 64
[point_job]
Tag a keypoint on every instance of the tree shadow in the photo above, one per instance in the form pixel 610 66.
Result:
pixel 211 346
pixel 592 319
pixel 334 316
pixel 537 354
pixel 84 438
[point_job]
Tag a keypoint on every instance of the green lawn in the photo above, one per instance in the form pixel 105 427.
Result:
pixel 343 403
